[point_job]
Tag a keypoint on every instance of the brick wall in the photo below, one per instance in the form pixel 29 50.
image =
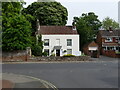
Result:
pixel 15 56
pixel 110 53
pixel 76 58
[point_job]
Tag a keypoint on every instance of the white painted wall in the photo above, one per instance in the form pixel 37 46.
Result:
pixel 63 43
pixel 93 48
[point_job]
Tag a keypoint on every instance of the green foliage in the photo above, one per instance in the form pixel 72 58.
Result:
pixel 16 30
pixel 44 54
pixel 12 7
pixel 32 20
pixel 37 50
pixel 48 13
pixel 53 54
pixel 68 55
pixel 83 54
pixel 108 22
pixel 16 33
pixel 37 47
pixel 87 26
pixel 117 52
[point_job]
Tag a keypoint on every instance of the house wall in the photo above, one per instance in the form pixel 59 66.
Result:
pixel 63 43
pixel 99 42
pixel 110 53
pixel 113 40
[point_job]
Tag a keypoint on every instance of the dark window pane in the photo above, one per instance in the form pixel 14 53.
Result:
pixel 69 42
pixel 46 42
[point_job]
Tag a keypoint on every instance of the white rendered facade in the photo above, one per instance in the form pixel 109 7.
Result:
pixel 58 44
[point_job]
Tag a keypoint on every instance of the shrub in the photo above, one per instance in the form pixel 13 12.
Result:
pixel 117 52
pixel 52 54
pixel 36 47
pixel 68 55
pixel 37 50
pixel 44 54
pixel 83 54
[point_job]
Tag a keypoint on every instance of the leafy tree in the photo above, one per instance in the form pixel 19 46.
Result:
pixel 16 34
pixel 48 13
pixel 87 26
pixel 108 22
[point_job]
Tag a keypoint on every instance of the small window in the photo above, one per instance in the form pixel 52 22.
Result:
pixel 69 42
pixel 110 48
pixel 46 42
pixel 57 42
pixel 69 51
pixel 117 39
pixel 47 51
pixel 108 40
pixel 117 48
pixel 104 48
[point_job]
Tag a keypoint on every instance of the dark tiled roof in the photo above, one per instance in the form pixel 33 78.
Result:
pixel 57 30
pixel 110 33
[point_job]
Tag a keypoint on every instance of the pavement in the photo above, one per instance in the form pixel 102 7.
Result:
pixel 10 80
pixel 105 58
pixel 7 84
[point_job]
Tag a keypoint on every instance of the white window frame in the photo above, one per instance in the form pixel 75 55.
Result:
pixel 69 43
pixel 70 50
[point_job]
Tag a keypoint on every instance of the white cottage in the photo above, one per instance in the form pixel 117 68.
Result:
pixel 60 40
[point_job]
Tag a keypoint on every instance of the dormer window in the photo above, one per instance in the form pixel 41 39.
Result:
pixel 108 40
pixel 117 39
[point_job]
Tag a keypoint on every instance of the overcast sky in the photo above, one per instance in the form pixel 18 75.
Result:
pixel 102 8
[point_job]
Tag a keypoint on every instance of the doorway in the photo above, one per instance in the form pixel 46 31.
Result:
pixel 57 52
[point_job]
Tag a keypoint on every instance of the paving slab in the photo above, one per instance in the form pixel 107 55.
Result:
pixel 23 81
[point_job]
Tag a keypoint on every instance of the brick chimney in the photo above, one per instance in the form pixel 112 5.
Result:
pixel 110 29
pixel 74 25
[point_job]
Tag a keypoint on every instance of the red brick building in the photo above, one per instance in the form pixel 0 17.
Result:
pixel 109 42
pixel 91 49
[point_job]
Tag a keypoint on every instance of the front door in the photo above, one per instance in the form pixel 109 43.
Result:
pixel 58 52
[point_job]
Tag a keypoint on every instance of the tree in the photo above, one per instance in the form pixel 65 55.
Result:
pixel 87 26
pixel 48 13
pixel 16 33
pixel 108 22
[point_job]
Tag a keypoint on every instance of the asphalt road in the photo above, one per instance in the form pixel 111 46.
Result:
pixel 94 74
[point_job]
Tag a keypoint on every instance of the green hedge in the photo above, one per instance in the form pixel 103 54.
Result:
pixel 68 55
